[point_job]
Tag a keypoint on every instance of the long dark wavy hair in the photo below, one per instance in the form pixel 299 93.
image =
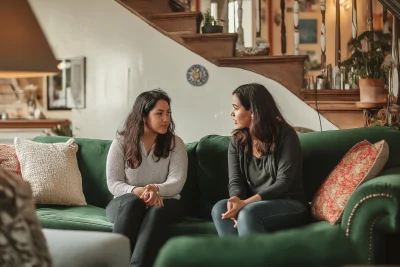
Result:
pixel 266 118
pixel 134 129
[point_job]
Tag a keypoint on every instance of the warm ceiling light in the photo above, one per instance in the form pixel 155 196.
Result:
pixel 24 50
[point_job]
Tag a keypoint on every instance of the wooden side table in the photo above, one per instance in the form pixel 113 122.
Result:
pixel 370 110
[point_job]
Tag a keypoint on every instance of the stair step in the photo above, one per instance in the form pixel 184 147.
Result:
pixel 342 114
pixel 331 94
pixel 179 33
pixel 178 21
pixel 213 45
pixel 328 105
pixel 146 7
pixel 272 67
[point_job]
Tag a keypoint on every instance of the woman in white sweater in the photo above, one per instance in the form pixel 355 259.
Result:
pixel 146 170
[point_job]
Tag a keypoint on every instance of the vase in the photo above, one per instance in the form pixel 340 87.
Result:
pixel 372 90
pixel 31 108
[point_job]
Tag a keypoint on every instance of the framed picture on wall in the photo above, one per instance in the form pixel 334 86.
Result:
pixel 67 89
pixel 314 61
pixel 308 5
pixel 308 29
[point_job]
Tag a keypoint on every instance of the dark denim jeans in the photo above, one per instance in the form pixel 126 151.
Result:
pixel 262 216
pixel 145 227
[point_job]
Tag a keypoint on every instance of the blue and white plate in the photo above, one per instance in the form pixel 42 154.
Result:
pixel 197 75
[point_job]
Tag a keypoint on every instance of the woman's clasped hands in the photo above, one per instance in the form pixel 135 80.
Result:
pixel 151 196
pixel 234 205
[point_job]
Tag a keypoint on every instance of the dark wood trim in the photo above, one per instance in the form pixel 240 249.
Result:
pixel 211 36
pixel 331 92
pixel 330 95
pixel 261 59
pixel 393 6
pixel 270 27
pixel 333 105
pixel 283 28
pixel 178 21
pixel 277 68
pixel 145 7
pixel 32 124
pixel 174 15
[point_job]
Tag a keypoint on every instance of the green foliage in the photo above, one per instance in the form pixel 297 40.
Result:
pixel 369 64
pixel 209 19
pixel 63 130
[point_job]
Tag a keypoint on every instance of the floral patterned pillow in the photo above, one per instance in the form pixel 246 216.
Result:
pixel 9 160
pixel 362 162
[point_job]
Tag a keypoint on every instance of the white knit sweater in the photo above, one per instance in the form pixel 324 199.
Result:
pixel 169 174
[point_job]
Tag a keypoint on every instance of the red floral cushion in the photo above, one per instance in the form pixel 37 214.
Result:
pixel 361 163
pixel 9 160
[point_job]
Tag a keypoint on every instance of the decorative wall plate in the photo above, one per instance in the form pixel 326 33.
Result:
pixel 197 75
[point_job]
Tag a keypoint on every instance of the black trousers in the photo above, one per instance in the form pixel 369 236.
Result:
pixel 145 227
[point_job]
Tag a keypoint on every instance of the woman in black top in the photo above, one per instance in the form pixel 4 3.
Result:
pixel 265 160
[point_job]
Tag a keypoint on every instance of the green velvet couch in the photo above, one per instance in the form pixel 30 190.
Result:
pixel 367 233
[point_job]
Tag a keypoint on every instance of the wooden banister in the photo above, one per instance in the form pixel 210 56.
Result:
pixel 323 39
pixel 296 27
pixel 354 26
pixel 240 40
pixel 283 28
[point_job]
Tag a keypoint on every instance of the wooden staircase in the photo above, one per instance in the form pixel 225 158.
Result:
pixel 184 28
pixel 337 106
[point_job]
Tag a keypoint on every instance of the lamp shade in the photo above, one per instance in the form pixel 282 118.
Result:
pixel 24 50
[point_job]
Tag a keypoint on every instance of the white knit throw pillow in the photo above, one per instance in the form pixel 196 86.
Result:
pixel 52 171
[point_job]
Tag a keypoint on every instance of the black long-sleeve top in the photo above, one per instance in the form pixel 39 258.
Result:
pixel 277 175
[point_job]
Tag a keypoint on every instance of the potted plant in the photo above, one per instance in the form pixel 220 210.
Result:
pixel 368 66
pixel 210 23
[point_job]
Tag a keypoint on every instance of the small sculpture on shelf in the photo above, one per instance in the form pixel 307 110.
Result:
pixel 31 91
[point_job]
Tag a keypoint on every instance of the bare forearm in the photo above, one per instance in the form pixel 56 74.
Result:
pixel 138 190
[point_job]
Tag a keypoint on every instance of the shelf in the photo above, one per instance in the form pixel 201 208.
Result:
pixel 330 92
pixel 32 124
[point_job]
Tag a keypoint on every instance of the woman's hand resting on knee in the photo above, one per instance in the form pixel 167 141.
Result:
pixel 234 205
pixel 151 197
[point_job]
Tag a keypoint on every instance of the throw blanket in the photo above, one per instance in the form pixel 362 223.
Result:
pixel 22 242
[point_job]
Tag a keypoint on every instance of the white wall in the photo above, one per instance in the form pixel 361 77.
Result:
pixel 125 57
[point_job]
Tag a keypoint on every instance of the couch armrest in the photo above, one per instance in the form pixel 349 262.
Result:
pixel 318 244
pixel 373 206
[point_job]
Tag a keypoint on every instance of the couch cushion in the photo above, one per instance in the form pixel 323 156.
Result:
pixel 323 150
pixel 92 157
pixel 87 249
pixel 362 162
pixel 193 226
pixel 93 218
pixel 318 244
pixel 89 218
pixel 52 170
pixel 212 171
pixel 190 191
